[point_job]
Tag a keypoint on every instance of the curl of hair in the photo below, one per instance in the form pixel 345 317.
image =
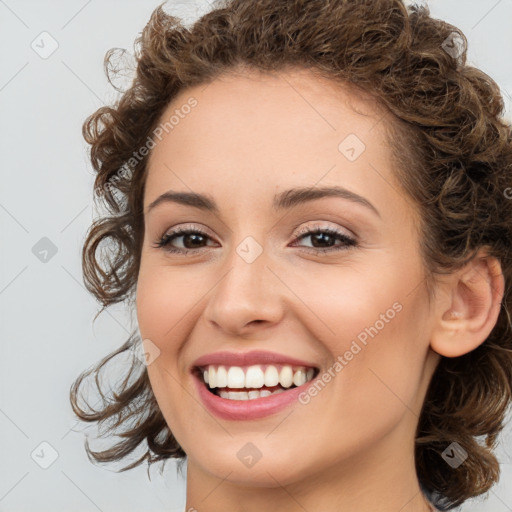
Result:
pixel 454 158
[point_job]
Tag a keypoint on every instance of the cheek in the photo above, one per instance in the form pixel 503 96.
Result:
pixel 164 302
pixel 180 411
pixel 344 303
pixel 376 331
pixel 165 298
pixel 382 362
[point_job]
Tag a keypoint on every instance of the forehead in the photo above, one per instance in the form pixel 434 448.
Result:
pixel 264 132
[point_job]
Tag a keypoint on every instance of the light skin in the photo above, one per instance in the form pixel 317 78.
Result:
pixel 352 446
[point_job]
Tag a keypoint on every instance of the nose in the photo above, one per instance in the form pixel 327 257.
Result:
pixel 248 297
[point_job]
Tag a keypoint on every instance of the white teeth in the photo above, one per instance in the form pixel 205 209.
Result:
pixel 212 377
pixel 238 395
pixel 222 377
pixel 299 377
pixel 236 377
pixel 286 376
pixel 271 376
pixel 254 376
pixel 251 395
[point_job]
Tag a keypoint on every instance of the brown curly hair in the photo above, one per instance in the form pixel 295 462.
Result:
pixel 454 158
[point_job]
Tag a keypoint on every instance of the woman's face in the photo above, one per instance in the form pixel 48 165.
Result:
pixel 326 280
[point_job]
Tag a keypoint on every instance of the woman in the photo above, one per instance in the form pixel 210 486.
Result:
pixel 307 210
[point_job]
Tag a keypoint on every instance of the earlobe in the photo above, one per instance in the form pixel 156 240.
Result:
pixel 472 301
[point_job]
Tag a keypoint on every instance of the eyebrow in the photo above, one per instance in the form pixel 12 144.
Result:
pixel 285 200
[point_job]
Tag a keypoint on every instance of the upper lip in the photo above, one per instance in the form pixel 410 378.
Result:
pixel 249 358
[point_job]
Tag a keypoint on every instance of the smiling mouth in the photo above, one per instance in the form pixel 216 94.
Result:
pixel 253 382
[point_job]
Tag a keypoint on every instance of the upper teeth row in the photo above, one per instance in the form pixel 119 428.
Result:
pixel 255 377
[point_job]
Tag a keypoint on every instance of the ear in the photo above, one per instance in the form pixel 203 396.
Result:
pixel 467 306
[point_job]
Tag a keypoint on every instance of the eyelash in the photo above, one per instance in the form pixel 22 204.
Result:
pixel 348 242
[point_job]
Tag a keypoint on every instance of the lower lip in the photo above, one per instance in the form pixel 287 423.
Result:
pixel 247 409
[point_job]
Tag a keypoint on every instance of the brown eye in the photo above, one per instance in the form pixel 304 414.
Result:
pixel 183 240
pixel 326 239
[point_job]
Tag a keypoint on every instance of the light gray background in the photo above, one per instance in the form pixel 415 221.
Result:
pixel 46 314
